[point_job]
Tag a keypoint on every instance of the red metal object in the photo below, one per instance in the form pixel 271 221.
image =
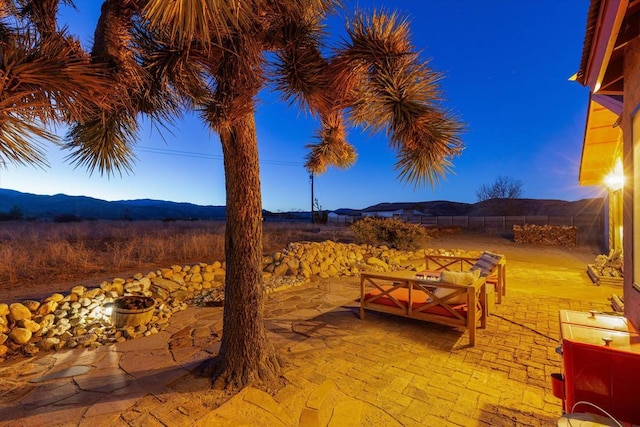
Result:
pixel 602 368
pixel 557 386
pixel 595 319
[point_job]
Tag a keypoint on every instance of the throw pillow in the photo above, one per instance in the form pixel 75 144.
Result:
pixel 445 292
pixel 486 263
pixel 460 277
pixel 457 278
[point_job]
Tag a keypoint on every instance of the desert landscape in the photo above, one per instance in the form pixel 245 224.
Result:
pixel 167 297
pixel 154 378
pixel 37 258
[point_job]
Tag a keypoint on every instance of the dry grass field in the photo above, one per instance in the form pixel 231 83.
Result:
pixel 38 258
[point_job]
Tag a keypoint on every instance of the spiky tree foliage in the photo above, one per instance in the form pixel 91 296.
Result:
pixel 46 79
pixel 165 56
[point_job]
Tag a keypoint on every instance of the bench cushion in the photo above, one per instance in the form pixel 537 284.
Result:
pixel 419 298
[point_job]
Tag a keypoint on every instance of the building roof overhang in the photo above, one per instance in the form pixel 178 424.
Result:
pixel 608 31
pixel 611 26
pixel 602 143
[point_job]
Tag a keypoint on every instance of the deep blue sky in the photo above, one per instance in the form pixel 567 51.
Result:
pixel 506 66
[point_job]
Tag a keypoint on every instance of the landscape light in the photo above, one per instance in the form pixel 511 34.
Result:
pixel 108 309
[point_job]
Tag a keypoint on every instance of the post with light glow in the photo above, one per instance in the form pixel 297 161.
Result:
pixel 615 182
pixel 615 179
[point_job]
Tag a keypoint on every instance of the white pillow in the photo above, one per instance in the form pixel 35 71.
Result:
pixel 460 277
pixel 457 278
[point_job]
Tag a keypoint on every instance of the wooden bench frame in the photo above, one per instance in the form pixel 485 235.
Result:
pixel 497 276
pixel 387 283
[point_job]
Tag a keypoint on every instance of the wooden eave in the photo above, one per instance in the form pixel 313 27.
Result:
pixel 611 26
pixel 602 143
pixel 592 22
pixel 613 79
pixel 604 21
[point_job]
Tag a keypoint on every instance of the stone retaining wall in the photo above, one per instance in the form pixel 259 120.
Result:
pixel 78 319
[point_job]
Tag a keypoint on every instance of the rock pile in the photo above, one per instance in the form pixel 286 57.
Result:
pixel 79 319
pixel 331 259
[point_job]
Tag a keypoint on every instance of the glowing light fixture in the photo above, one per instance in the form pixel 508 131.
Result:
pixel 615 180
pixel 108 309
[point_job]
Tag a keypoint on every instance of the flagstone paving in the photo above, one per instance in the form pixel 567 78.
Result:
pixel 340 371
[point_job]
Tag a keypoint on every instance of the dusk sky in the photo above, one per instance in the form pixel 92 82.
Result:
pixel 506 66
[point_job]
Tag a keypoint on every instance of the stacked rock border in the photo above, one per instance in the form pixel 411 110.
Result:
pixel 79 319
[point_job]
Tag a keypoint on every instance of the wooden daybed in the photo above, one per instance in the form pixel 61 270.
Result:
pixel 405 294
pixel 493 267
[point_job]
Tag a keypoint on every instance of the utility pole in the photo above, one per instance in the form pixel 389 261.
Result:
pixel 4 165
pixel 311 178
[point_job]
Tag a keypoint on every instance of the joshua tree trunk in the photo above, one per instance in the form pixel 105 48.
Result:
pixel 246 356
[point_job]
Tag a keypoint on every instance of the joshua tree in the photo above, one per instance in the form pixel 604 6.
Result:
pixel 167 56
pixel 46 79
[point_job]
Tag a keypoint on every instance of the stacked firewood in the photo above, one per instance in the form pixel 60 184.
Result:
pixel 551 235
pixel 609 265
pixel 617 303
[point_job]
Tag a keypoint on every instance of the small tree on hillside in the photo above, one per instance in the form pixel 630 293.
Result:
pixel 504 187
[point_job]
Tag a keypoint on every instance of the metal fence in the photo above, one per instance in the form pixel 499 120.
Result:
pixel 590 227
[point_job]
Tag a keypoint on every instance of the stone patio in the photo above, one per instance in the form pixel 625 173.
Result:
pixel 341 371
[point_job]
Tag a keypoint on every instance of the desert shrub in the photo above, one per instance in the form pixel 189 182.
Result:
pixel 67 217
pixel 391 232
pixel 321 217
pixel 15 213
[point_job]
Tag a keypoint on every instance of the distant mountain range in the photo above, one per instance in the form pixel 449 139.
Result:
pixel 82 207
pixel 499 207
pixel 50 207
